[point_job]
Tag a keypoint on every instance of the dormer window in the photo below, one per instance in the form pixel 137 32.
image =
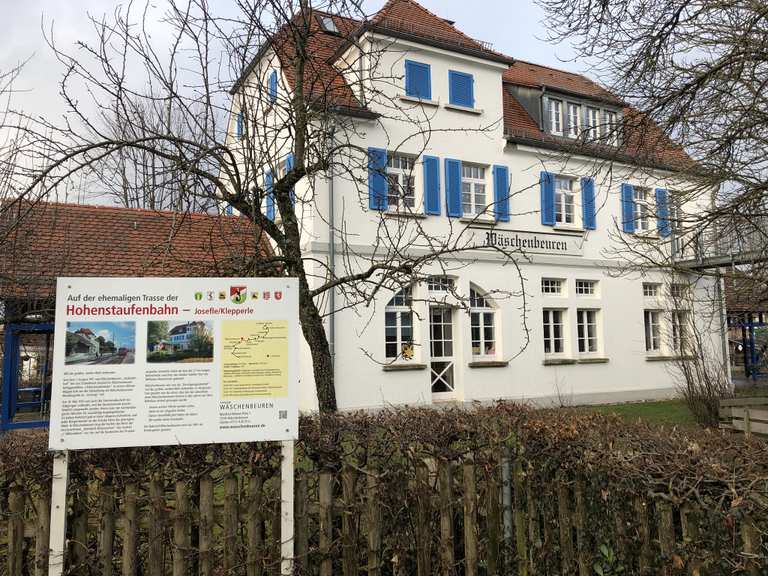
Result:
pixel 328 24
pixel 574 120
pixel 593 118
pixel 556 117
pixel 611 128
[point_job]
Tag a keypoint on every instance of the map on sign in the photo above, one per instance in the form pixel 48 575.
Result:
pixel 254 359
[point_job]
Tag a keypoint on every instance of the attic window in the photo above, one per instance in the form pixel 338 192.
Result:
pixel 328 24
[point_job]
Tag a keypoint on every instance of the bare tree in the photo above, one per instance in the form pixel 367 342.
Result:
pixel 695 71
pixel 231 150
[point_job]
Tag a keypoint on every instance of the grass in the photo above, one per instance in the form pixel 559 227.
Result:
pixel 666 412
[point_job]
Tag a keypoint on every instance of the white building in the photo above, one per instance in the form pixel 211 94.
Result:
pixel 505 165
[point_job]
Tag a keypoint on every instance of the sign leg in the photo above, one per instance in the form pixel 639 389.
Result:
pixel 286 508
pixel 58 513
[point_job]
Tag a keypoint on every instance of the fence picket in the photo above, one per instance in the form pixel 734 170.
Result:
pixel 644 529
pixel 106 528
pixel 751 545
pixel 130 529
pixel 470 517
pixel 231 504
pixel 156 529
pixel 582 532
pixel 564 521
pixel 518 484
pixel 666 530
pixel 423 532
pixel 205 562
pixel 42 532
pixel 349 522
pixel 493 521
pixel 325 493
pixel 255 526
pixel 445 482
pixel 16 531
pixel 301 518
pixel 373 519
pixel 181 530
pixel 79 542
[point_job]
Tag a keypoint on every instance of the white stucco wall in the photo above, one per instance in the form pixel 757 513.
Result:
pixel 363 375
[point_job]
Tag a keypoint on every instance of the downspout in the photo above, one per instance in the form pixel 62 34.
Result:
pixel 332 262
pixel 720 294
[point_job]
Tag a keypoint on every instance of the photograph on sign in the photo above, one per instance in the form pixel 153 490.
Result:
pixel 161 361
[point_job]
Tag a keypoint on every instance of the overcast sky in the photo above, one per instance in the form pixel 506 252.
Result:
pixel 514 27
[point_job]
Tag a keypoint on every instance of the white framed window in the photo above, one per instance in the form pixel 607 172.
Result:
pixel 593 118
pixel 401 190
pixel 556 116
pixel 651 289
pixel 652 322
pixel 678 291
pixel 565 212
pixel 473 188
pixel 551 286
pixel 554 331
pixel 574 120
pixel 586 329
pixel 440 284
pixel 586 287
pixel 641 214
pixel 482 324
pixel 611 128
pixel 398 327
pixel 679 331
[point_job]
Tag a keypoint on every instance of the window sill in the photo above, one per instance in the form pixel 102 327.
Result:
pixel 595 360
pixel 403 367
pixel 661 358
pixel 558 361
pixel 489 364
pixel 402 214
pixel 478 220
pixel 467 109
pixel 416 100
pixel 568 228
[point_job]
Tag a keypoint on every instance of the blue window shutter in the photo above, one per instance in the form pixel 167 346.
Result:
pixel 662 213
pixel 270 201
pixel 432 185
pixel 461 89
pixel 288 168
pixel 453 187
pixel 628 208
pixel 547 183
pixel 588 203
pixel 501 193
pixel 229 211
pixel 377 179
pixel 239 125
pixel 273 86
pixel 418 80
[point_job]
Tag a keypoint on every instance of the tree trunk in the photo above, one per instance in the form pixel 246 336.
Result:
pixel 314 333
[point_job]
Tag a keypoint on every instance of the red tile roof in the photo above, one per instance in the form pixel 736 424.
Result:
pixel 324 82
pixel 407 17
pixel 643 142
pixel 44 240
pixel 537 76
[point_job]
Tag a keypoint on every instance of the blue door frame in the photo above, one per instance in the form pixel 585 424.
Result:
pixel 752 356
pixel 10 392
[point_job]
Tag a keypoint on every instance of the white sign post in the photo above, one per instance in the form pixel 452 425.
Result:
pixel 161 361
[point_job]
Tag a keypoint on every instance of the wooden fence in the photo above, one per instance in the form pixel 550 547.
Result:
pixel 748 415
pixel 487 513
